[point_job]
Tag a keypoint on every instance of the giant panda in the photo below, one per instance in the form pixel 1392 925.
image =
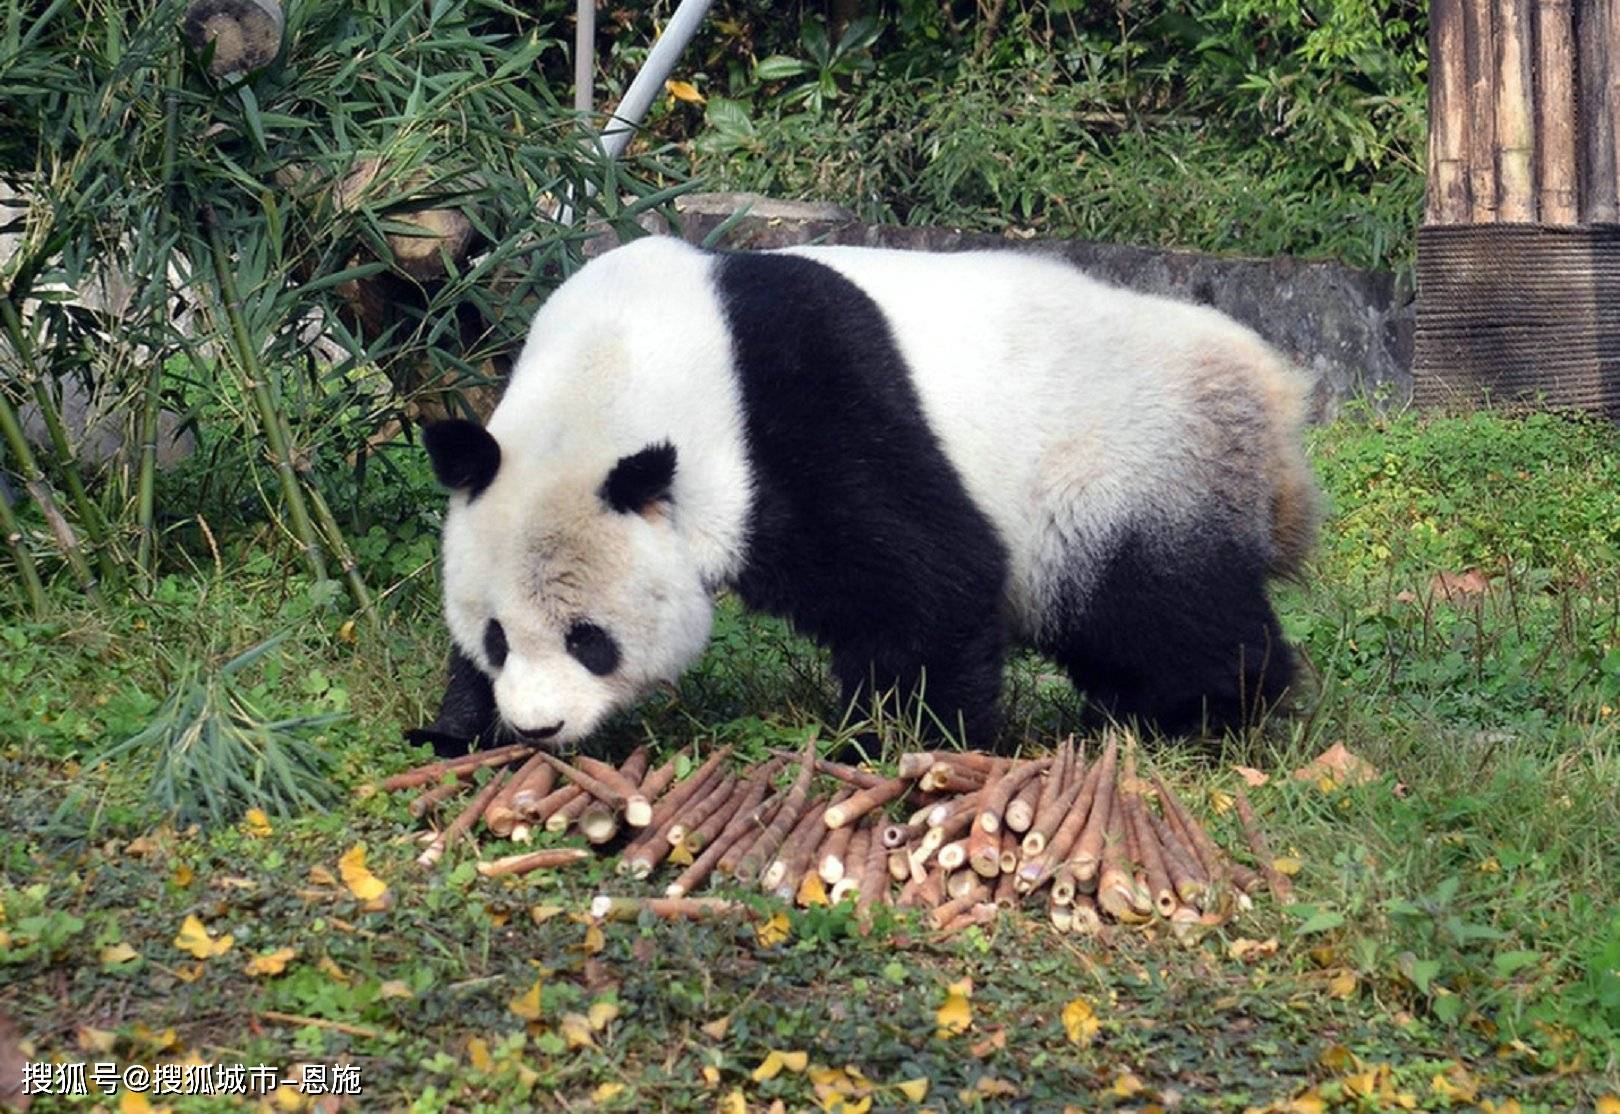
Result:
pixel 921 460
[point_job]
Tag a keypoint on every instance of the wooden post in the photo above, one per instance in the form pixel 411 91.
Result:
pixel 1557 170
pixel 1480 54
pixel 1595 22
pixel 1448 201
pixel 1514 116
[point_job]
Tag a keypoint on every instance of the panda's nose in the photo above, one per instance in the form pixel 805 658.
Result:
pixel 538 733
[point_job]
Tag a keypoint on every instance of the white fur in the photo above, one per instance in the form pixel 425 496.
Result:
pixel 1071 409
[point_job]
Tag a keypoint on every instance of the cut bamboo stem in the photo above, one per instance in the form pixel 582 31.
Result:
pixel 834 853
pixel 874 884
pixel 607 908
pixel 1276 880
pixel 461 767
pixel 999 794
pixel 792 858
pixel 610 786
pixel 1087 853
pixel 1020 812
pixel 432 798
pixel 944 914
pixel 462 823
pixel 548 859
pixel 1160 891
pixel 752 793
pixel 787 817
pixel 700 806
pixel 717 810
pixel 502 815
pixel 1056 801
pixel 865 801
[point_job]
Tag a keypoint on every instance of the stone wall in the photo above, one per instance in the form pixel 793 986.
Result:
pixel 1352 328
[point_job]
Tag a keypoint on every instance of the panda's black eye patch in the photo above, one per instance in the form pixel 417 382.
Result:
pixel 495 643
pixel 593 648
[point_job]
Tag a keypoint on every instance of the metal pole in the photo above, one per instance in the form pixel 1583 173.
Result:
pixel 655 71
pixel 584 54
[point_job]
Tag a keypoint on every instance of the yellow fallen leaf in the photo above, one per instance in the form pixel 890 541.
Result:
pixel 914 1089
pixel 1337 766
pixel 134 1102
pixel 478 1054
pixel 394 988
pixel 114 954
pixel 182 876
pixel 1220 801
pixel 190 972
pixel 1127 1085
pixel 361 882
pixel 270 963
pixel 680 856
pixel 1250 950
pixel 774 931
pixel 684 91
pixel 955 1016
pixel 96 1040
pixel 1456 1083
pixel 607 1092
pixel 601 1014
pixel 1608 1104
pixel 1080 1022
pixel 1343 985
pixel 195 940
pixel 527 1004
pixel 811 891
pixel 1286 864
pixel 320 876
pixel 716 1029
pixel 594 941
pixel 734 1103
pixel 988 1086
pixel 256 823
pixel 576 1031
pixel 540 914
pixel 327 966
pixel 842 1104
pixel 1252 776
pixel 775 1060
pixel 711 1075
pixel 1507 1106
pixel 994 1041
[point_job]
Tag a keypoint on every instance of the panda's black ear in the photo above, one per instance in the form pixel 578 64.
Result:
pixel 640 481
pixel 465 457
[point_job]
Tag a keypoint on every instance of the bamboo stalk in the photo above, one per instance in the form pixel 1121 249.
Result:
pixel 548 859
pixel 461 767
pixel 788 865
pixel 1161 893
pixel 1191 886
pixel 953 855
pixel 700 807
pixel 1006 894
pixel 1116 890
pixel 865 801
pixel 834 851
pixel 944 914
pixel 435 796
pixel 39 489
pixel 874 885
pixel 951 780
pixel 27 571
pixel 91 520
pixel 258 389
pixel 1078 810
pixel 747 800
pixel 852 879
pixel 675 800
pixel 1217 865
pixel 151 403
pixel 605 784
pixel 849 775
pixel 570 810
pixel 756 826
pixel 1084 918
pixel 980 915
pixel 462 823
pixel 1557 164
pixel 1088 851
pixel 533 787
pixel 1276 880
pixel 607 908
pixel 1515 118
pixel 1448 185
pixel 502 814
pixel 655 784
pixel 1055 802
pixel 540 813
pixel 999 794
pixel 717 809
pixel 1479 35
pixel 328 525
pixel 1063 885
pixel 1007 861
pixel 793 807
pixel 915 764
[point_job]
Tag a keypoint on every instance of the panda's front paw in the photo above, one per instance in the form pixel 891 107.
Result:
pixel 445 744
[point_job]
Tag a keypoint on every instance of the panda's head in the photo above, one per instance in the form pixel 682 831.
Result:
pixel 565 578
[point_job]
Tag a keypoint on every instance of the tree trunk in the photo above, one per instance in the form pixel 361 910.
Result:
pixel 1448 116
pixel 1515 119
pixel 1557 169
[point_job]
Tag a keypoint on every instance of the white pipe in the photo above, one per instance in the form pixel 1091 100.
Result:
pixel 584 54
pixel 655 71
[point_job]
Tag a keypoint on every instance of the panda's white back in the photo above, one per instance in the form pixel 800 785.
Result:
pixel 1071 408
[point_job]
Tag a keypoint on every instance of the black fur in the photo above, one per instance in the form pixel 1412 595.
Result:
pixel 861 532
pixel 592 647
pixel 640 480
pixel 466 714
pixel 495 647
pixel 1177 632
pixel 465 457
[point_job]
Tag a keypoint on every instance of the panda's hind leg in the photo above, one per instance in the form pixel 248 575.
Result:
pixel 1180 637
pixel 952 689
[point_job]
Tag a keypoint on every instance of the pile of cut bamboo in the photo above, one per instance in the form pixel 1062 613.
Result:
pixel 1093 841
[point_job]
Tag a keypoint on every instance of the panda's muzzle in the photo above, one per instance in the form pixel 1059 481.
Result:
pixel 535 735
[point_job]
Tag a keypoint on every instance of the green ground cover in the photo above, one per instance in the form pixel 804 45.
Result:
pixel 1455 940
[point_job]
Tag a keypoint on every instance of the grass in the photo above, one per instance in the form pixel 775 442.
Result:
pixel 1456 931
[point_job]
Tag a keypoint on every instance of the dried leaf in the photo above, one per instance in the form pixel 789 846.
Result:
pixel 1337 766
pixel 776 1060
pixel 607 1092
pixel 527 1004
pixel 182 876
pixel 361 882
pixel 394 988
pixel 994 1041
pixel 1252 776
pixel 1248 950
pixel 270 963
pixel 716 1029
pixel 955 1016
pixel 1286 864
pixel 540 914
pixel 576 1030
pixel 478 1054
pixel 774 931
pixel 1080 1022
pixel 914 1089
pixel 1452 585
pixel 195 940
pixel 327 966
pixel 594 941
pixel 734 1103
pixel 118 953
pixel 256 823
pixel 684 91
pixel 811 891
pixel 601 1014
pixel 320 876
pixel 1343 985
pixel 1456 1083
pixel 95 1040
pixel 1127 1085
pixel 1608 1104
